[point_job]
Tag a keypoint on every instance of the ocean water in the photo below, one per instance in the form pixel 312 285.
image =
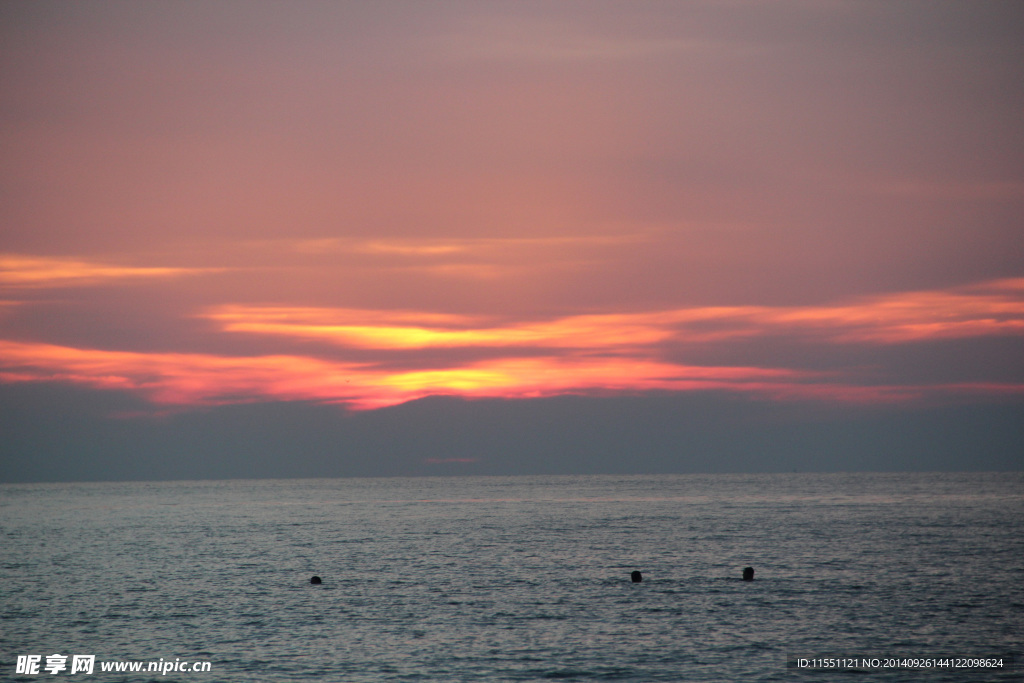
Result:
pixel 517 578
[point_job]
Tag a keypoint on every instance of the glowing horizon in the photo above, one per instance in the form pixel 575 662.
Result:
pixel 788 204
pixel 597 353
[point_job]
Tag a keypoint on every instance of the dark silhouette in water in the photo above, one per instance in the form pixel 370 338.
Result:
pixel 636 576
pixel 748 574
pixel 315 580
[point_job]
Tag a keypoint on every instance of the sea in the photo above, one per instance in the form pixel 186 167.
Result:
pixel 858 577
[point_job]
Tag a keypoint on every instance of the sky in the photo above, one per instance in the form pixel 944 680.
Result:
pixel 299 239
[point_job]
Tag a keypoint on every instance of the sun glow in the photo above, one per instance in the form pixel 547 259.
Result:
pixel 203 379
pixel 406 355
pixel 993 310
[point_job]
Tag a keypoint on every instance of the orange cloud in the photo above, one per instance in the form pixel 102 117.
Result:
pixel 584 354
pixel 411 330
pixel 203 379
pixel 992 309
pixel 996 308
pixel 197 379
pixel 30 271
pixel 179 378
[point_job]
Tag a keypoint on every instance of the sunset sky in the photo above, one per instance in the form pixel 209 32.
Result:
pixel 245 239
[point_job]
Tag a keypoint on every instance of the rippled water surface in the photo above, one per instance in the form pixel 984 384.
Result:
pixel 516 578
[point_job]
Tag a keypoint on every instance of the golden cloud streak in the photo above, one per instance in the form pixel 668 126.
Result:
pixel 584 354
pixel 409 330
pixel 442 247
pixel 29 271
pixel 203 379
pixel 180 378
pixel 995 309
